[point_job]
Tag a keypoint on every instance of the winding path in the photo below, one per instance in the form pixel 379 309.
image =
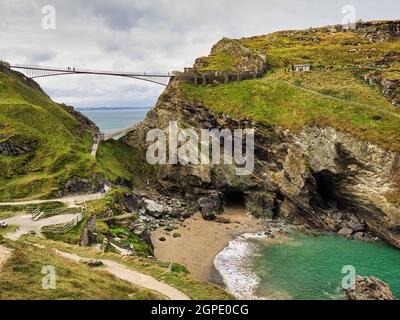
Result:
pixel 70 201
pixel 136 278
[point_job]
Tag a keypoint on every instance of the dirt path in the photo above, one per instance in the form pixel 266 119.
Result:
pixel 26 224
pixel 69 201
pixel 200 241
pixel 134 277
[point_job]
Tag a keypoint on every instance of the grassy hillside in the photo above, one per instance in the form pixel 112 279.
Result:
pixel 21 278
pixel 43 146
pixel 178 277
pixel 121 161
pixel 60 146
pixel 332 94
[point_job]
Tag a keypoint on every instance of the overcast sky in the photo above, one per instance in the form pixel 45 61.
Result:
pixel 148 35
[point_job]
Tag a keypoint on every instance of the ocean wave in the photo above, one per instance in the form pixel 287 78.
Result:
pixel 234 264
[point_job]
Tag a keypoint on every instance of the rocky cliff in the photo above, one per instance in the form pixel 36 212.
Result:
pixel 318 176
pixel 314 172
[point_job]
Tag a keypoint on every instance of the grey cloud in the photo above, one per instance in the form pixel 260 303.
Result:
pixel 148 35
pixel 36 55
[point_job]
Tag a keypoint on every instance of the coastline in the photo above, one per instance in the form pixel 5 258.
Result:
pixel 200 241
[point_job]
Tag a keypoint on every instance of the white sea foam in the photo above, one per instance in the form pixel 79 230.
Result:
pixel 234 264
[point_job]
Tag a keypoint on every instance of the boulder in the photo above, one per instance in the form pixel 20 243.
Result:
pixel 145 236
pixel 94 263
pixel 210 207
pixel 370 288
pixel 345 232
pixel 356 227
pixel 358 235
pixel 88 235
pixel 156 209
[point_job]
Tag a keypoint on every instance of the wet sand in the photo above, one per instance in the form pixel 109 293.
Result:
pixel 201 241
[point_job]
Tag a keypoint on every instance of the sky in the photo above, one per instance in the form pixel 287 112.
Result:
pixel 147 36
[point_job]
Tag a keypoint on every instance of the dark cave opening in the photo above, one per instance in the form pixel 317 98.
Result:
pixel 234 198
pixel 326 194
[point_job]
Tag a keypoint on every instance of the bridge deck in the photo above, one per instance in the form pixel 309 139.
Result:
pixel 87 71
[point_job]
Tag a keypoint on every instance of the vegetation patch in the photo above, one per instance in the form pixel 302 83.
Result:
pixel 121 162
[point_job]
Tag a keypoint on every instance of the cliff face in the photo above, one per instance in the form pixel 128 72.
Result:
pixel 318 176
pixel 320 158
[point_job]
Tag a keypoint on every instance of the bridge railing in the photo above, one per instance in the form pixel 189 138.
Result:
pixel 81 70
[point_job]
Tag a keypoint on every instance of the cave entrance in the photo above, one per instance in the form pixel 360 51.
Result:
pixel 326 194
pixel 234 199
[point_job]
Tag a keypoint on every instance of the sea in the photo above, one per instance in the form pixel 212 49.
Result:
pixel 112 119
pixel 303 267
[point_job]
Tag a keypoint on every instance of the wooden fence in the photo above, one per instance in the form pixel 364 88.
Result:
pixel 63 228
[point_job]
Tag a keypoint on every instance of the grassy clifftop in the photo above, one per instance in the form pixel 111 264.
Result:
pixel 335 93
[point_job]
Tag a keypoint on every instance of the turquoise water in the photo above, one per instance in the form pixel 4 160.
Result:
pixel 309 268
pixel 114 119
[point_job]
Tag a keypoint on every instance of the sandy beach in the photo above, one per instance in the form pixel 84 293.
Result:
pixel 202 240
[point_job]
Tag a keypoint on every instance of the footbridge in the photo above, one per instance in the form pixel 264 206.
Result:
pixel 35 72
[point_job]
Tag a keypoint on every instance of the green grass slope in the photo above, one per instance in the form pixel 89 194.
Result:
pixel 61 144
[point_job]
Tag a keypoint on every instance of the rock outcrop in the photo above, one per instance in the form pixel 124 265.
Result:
pixel 89 233
pixel 77 185
pixel 246 60
pixel 16 146
pixel 379 31
pixel 390 87
pixel 370 288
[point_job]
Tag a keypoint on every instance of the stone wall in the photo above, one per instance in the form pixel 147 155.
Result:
pixel 216 77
